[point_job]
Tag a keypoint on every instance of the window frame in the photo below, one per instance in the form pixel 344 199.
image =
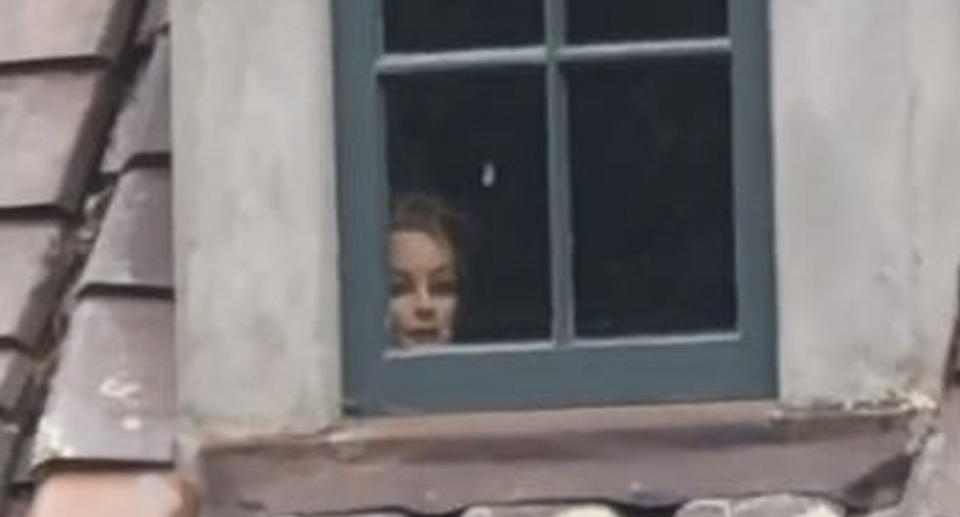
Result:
pixel 690 366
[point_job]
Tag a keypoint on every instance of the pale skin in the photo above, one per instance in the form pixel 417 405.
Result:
pixel 423 289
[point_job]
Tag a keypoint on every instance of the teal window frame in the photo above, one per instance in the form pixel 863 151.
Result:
pixel 565 371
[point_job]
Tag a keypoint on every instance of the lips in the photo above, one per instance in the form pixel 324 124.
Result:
pixel 423 335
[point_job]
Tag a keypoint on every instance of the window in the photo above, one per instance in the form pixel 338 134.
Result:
pixel 605 164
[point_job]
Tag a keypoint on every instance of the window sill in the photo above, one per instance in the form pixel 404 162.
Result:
pixel 643 456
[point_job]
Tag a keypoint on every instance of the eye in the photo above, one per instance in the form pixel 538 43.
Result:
pixel 400 286
pixel 444 287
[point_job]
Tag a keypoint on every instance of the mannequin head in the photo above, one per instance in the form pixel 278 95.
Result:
pixel 425 271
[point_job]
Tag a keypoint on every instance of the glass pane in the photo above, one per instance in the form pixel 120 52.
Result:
pixel 619 20
pixel 419 25
pixel 467 162
pixel 651 167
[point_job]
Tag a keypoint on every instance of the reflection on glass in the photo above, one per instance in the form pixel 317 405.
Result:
pixel 424 25
pixel 622 20
pixel 652 199
pixel 473 144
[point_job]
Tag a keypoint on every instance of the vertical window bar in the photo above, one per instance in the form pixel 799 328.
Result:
pixel 382 179
pixel 359 197
pixel 753 186
pixel 558 167
pixel 379 27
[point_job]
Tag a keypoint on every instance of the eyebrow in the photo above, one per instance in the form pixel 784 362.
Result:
pixel 441 269
pixel 438 269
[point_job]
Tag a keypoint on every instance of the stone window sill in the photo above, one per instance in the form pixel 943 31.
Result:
pixel 646 456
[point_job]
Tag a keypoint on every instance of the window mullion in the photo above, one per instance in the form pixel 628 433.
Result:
pixel 400 64
pixel 558 167
pixel 634 51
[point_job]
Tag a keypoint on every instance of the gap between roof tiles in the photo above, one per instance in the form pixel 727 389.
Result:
pixel 66 30
pixel 77 64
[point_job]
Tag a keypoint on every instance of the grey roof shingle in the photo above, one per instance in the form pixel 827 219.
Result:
pixel 30 274
pixel 155 19
pixel 141 134
pixel 15 372
pixel 135 248
pixel 62 29
pixel 60 80
pixel 48 133
pixel 113 395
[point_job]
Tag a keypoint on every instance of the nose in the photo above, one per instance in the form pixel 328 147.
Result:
pixel 425 308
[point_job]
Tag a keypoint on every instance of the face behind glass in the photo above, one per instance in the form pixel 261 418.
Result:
pixel 423 289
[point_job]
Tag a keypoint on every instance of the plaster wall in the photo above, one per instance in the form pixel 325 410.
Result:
pixel 866 97
pixel 256 240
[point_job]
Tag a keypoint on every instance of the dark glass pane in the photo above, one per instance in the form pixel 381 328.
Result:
pixel 619 20
pixel 419 25
pixel 477 142
pixel 651 166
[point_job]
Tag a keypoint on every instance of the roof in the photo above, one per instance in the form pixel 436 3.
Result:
pixel 86 315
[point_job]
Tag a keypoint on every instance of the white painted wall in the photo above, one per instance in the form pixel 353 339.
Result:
pixel 257 295
pixel 867 161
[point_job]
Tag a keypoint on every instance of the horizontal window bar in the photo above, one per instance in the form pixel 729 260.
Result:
pixel 466 349
pixel 393 64
pixel 469 349
pixel 609 52
pixel 702 338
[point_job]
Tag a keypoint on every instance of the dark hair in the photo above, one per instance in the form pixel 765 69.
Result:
pixel 427 213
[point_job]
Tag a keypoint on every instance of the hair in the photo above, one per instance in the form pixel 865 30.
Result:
pixel 430 214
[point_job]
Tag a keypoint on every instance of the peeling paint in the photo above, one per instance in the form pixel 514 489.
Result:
pixel 587 511
pixel 131 423
pixel 820 511
pixel 49 443
pixel 121 388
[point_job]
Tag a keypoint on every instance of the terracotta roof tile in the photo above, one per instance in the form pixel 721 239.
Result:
pixel 32 30
pixel 135 244
pixel 30 275
pixel 48 136
pixel 112 397
pixel 142 131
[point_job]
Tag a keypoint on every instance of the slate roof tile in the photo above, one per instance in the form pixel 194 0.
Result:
pixel 30 274
pixel 156 19
pixel 19 507
pixel 15 372
pixel 42 30
pixel 141 134
pixel 112 397
pixel 21 475
pixel 9 450
pixel 49 132
pixel 112 392
pixel 135 246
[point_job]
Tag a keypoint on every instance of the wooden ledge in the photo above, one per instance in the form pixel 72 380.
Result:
pixel 645 456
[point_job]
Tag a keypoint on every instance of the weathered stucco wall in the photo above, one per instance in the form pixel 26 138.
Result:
pixel 867 161
pixel 257 295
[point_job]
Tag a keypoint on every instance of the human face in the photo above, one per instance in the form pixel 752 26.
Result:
pixel 423 289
